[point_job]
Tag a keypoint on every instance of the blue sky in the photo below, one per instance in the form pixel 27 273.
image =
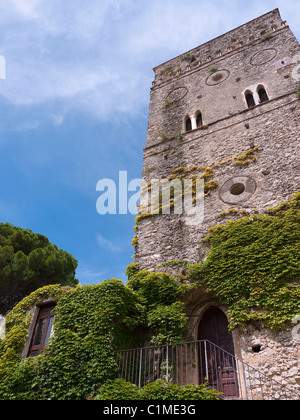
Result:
pixel 74 108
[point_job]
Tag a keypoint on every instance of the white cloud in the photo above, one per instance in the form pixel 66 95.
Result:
pixel 96 56
pixel 107 244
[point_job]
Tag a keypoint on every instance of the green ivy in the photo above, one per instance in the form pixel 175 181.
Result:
pixel 91 323
pixel 254 266
pixel 165 314
pixel 158 390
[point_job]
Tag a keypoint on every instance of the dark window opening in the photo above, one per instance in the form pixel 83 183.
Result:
pixel 263 96
pixel 42 330
pixel 250 100
pixel 188 124
pixel 199 120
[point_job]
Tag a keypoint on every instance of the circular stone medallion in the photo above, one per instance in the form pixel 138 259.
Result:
pixel 263 57
pixel 217 77
pixel 177 94
pixel 238 189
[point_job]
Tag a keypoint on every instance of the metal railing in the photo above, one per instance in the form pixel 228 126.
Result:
pixel 200 362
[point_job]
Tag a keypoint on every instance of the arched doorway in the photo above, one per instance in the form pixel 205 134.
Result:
pixel 217 353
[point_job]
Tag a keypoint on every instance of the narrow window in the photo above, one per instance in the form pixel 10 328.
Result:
pixel 250 99
pixel 199 120
pixel 42 330
pixel 263 96
pixel 188 124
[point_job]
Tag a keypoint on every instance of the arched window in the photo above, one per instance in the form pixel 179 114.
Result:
pixel 188 124
pixel 263 96
pixel 199 120
pixel 250 99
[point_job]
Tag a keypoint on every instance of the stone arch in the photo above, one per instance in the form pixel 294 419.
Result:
pixel 199 119
pixel 188 123
pixel 262 93
pixel 249 98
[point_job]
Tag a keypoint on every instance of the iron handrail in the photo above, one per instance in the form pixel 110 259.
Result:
pixel 145 364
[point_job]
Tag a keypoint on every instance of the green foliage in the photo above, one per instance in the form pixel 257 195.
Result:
pixel 266 37
pixel 165 315
pixel 254 266
pixel 29 261
pixel 170 322
pixel 154 288
pixel 91 322
pixel 158 390
pixel 167 104
pixel 118 389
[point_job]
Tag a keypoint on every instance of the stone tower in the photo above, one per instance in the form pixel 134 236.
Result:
pixel 227 110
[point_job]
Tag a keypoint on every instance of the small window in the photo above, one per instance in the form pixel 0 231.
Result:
pixel 263 96
pixel 188 124
pixel 250 99
pixel 199 120
pixel 42 330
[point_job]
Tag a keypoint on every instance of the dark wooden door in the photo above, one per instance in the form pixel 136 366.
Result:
pixel 216 365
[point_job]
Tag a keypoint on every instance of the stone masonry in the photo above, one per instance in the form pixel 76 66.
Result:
pixel 200 121
pixel 212 79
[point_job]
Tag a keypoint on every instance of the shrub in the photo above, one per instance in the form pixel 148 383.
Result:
pixel 158 390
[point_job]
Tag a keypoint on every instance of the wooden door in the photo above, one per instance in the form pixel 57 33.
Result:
pixel 217 366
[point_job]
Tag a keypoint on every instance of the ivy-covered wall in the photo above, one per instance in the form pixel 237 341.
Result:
pixel 251 267
pixel 91 323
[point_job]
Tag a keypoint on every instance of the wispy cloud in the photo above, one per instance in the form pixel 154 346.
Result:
pixel 88 276
pixel 96 57
pixel 107 244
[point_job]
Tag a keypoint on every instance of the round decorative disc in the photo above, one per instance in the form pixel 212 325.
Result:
pixel 263 57
pixel 237 189
pixel 217 77
pixel 177 94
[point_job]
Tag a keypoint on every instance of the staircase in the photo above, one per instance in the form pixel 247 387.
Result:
pixel 197 362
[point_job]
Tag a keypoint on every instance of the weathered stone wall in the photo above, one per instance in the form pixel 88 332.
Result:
pixel 230 129
pixel 212 79
pixel 274 353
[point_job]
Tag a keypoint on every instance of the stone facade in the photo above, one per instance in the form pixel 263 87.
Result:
pixel 252 153
pixel 229 129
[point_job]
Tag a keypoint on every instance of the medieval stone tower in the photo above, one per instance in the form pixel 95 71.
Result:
pixel 227 111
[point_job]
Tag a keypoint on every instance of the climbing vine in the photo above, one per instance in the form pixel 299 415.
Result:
pixel 193 173
pixel 91 323
pixel 253 266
